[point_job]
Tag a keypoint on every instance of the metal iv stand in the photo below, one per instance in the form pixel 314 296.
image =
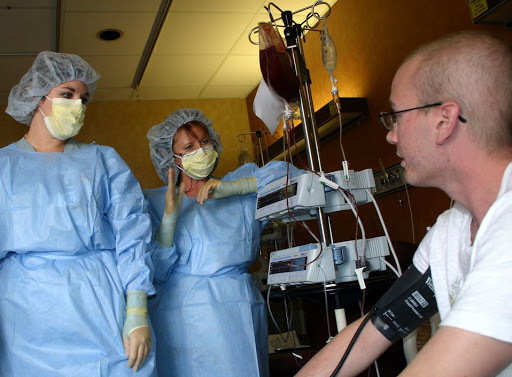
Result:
pixel 292 34
pixel 259 134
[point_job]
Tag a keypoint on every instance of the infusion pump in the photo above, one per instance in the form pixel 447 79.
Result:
pixel 293 266
pixel 301 193
pixel 336 263
pixel 304 192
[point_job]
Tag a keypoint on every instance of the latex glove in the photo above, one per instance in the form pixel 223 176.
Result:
pixel 165 232
pixel 222 189
pixel 136 334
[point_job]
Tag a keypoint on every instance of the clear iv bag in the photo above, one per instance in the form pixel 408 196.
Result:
pixel 276 66
pixel 329 55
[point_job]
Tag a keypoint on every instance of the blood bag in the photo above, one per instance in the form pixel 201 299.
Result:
pixel 275 63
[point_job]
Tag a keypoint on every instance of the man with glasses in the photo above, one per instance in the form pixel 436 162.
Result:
pixel 452 126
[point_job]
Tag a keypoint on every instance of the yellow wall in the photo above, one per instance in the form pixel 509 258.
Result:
pixel 123 125
pixel 372 37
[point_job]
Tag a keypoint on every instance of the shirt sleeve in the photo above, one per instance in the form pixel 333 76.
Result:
pixel 128 216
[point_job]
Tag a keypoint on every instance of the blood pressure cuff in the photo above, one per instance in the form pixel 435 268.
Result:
pixel 406 305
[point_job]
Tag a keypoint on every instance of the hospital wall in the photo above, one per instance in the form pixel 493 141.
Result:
pixel 372 37
pixel 123 125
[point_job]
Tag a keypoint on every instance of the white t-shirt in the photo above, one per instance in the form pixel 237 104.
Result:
pixel 473 283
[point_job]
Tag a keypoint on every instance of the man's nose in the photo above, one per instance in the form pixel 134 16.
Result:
pixel 391 136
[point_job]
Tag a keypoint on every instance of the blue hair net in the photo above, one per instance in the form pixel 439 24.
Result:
pixel 48 70
pixel 161 138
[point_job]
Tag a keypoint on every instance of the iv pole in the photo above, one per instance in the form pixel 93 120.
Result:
pixel 259 135
pixel 292 34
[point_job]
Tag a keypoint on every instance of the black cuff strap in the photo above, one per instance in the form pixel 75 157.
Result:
pixel 407 304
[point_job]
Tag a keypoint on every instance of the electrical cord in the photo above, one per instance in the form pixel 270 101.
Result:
pixel 392 249
pixel 353 342
pixel 410 212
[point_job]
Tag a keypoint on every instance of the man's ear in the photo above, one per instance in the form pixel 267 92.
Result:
pixel 447 122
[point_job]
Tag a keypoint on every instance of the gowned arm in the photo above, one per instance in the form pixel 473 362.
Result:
pixel 126 210
pixel 456 352
pixel 368 347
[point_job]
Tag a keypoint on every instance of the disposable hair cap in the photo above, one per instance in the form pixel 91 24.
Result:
pixel 161 138
pixel 48 70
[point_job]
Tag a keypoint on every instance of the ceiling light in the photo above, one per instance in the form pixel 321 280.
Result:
pixel 109 34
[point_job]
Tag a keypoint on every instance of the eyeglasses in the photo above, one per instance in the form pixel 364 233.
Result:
pixel 389 120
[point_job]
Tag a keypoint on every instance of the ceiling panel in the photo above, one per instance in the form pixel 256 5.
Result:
pixel 243 46
pixel 200 33
pixel 37 33
pixel 111 5
pixel 83 29
pixel 238 70
pixel 226 91
pixel 18 4
pixel 116 71
pixel 114 94
pixel 170 92
pixel 183 70
pixel 217 6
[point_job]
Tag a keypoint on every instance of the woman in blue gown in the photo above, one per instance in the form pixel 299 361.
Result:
pixel 74 232
pixel 208 315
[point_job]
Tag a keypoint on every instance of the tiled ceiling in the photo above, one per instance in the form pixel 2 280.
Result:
pixel 201 50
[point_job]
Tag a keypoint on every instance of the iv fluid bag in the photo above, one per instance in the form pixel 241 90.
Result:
pixel 329 56
pixel 276 66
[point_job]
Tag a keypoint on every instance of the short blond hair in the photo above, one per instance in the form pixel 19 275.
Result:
pixel 473 69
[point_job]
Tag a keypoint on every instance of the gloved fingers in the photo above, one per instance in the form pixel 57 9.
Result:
pixel 139 347
pixel 181 190
pixel 207 189
pixel 142 354
pixel 170 177
pixel 170 195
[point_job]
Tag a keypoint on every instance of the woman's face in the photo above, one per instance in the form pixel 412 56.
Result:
pixel 189 138
pixel 69 90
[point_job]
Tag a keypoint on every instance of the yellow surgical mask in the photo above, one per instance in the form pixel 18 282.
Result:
pixel 199 163
pixel 66 119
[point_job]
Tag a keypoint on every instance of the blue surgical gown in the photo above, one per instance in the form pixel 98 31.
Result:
pixel 74 232
pixel 208 315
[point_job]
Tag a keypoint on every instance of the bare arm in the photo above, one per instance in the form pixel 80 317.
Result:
pixel 369 346
pixel 456 352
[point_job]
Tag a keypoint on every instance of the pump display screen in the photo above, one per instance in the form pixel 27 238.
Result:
pixel 289 265
pixel 277 196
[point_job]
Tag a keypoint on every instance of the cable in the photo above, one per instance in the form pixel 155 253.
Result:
pixel 330 337
pixel 385 231
pixel 390 266
pixel 376 368
pixel 338 108
pixel 273 318
pixel 410 211
pixel 361 260
pixel 353 341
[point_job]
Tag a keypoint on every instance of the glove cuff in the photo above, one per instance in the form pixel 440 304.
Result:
pixel 165 232
pixel 136 312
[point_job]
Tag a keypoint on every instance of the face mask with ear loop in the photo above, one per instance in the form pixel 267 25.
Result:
pixel 66 119
pixel 199 163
